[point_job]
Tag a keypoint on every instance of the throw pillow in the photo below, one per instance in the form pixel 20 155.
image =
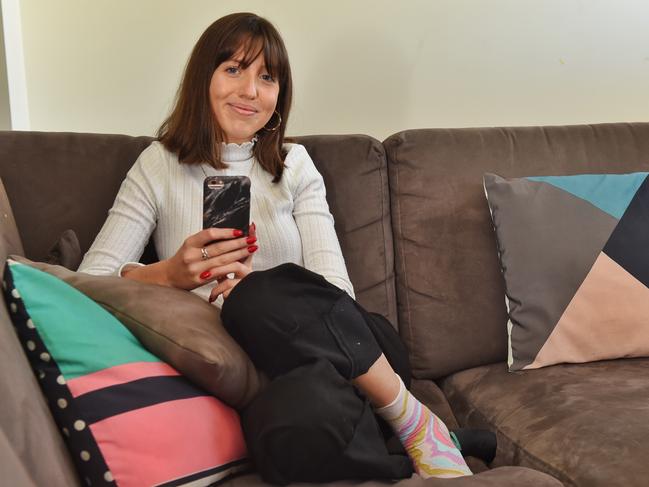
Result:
pixel 175 325
pixel 573 251
pixel 128 418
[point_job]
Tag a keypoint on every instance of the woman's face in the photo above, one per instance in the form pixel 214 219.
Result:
pixel 243 100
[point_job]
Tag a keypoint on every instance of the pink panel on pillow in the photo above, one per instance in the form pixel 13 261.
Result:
pixel 119 374
pixel 169 440
pixel 604 320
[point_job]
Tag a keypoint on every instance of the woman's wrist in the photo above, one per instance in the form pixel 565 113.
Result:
pixel 128 267
pixel 152 273
pixel 162 274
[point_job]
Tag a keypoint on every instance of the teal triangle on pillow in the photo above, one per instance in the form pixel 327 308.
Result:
pixel 82 336
pixel 611 193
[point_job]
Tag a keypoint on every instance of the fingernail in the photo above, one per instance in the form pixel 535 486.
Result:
pixel 252 248
pixel 251 240
pixel 206 275
pixel 237 233
pixel 211 300
pixel 254 227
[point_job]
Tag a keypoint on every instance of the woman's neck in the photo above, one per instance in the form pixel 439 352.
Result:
pixel 232 152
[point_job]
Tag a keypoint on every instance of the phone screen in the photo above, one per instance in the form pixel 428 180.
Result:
pixel 226 202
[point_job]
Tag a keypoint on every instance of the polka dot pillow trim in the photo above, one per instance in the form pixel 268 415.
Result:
pixel 127 418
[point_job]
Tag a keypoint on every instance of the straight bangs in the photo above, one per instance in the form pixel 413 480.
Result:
pixel 253 44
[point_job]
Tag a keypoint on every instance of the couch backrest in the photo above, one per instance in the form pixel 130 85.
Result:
pixel 57 181
pixel 449 286
pixel 355 172
pixel 31 449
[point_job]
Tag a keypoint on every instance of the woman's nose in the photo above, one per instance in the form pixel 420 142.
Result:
pixel 248 87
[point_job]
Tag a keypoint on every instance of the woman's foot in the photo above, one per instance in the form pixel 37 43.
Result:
pixel 424 436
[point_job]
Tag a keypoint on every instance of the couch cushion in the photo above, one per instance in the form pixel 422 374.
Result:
pixel 429 393
pixel 355 174
pixel 80 176
pixel 451 294
pixel 498 477
pixel 584 424
pixel 573 251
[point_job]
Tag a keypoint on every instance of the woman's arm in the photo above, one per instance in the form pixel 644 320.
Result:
pixel 320 247
pixel 131 219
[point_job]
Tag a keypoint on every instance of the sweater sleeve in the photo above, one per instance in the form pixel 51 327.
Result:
pixel 131 219
pixel 320 247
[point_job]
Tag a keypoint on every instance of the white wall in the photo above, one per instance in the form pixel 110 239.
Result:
pixel 363 66
pixel 5 113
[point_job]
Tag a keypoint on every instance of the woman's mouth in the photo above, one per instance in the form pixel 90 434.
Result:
pixel 242 109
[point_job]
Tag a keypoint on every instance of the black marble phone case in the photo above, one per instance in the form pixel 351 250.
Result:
pixel 226 202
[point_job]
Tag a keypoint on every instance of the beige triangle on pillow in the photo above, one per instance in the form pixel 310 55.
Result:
pixel 607 318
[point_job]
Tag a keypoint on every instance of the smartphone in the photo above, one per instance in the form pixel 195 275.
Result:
pixel 226 202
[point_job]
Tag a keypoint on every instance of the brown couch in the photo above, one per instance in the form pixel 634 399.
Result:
pixel 416 233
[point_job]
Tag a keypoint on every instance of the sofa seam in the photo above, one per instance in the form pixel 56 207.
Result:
pixel 403 259
pixel 384 179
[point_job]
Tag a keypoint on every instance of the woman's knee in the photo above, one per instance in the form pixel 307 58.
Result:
pixel 300 420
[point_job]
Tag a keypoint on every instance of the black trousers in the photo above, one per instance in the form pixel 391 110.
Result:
pixel 310 423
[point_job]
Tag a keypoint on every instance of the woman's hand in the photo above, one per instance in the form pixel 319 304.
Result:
pixel 208 254
pixel 239 270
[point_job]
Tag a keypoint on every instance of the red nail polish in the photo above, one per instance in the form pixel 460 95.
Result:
pixel 206 275
pixel 254 227
pixel 237 233
pixel 251 240
pixel 252 248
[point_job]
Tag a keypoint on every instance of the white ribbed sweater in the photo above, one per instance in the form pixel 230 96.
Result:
pixel 162 197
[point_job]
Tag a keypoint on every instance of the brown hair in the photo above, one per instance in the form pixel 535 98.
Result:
pixel 191 130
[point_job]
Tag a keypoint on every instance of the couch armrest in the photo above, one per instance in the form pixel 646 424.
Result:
pixel 10 242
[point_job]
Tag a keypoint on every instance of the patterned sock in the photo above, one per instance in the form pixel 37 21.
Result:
pixel 424 436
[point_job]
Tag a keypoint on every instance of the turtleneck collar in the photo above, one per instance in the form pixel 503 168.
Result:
pixel 236 152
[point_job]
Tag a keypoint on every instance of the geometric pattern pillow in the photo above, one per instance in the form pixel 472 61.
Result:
pixel 127 418
pixel 574 251
pixel 178 327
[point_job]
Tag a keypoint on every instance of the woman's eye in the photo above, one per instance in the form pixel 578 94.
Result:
pixel 232 70
pixel 267 77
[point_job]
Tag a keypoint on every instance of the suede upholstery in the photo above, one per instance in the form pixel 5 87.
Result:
pixel 31 449
pixel 76 178
pixel 9 238
pixel 66 251
pixel 449 285
pixel 417 238
pixel 585 424
pixel 500 477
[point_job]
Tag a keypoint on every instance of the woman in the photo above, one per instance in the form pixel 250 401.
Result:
pixel 229 119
